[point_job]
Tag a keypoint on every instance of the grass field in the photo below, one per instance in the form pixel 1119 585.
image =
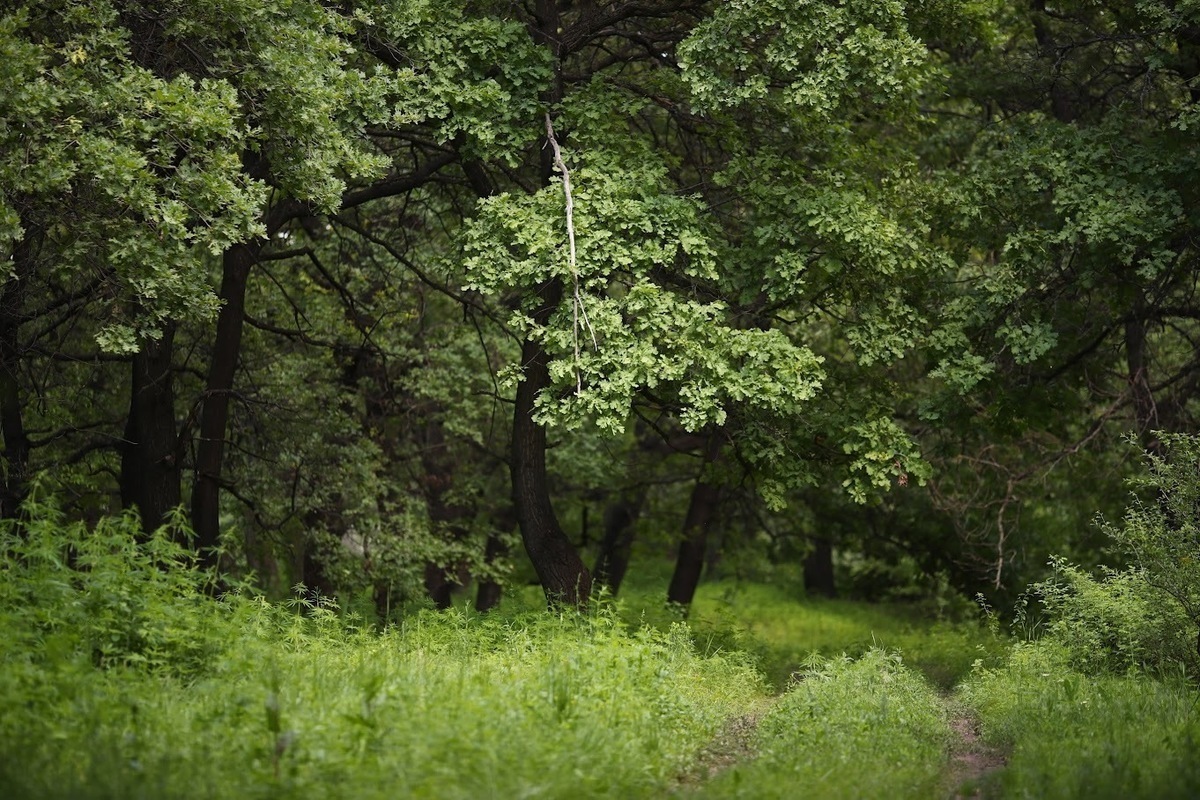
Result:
pixel 120 678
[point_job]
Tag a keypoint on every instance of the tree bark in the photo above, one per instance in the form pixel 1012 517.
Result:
pixel 488 594
pixel 16 441
pixel 150 475
pixel 563 576
pixel 620 527
pixel 818 570
pixel 702 508
pixel 214 420
pixel 1145 409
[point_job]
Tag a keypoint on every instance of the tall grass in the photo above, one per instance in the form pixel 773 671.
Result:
pixel 782 631
pixel 855 729
pixel 1076 735
pixel 120 678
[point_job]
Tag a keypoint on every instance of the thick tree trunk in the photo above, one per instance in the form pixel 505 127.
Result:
pixel 702 509
pixel 150 476
pixel 620 527
pixel 214 420
pixel 563 576
pixel 818 570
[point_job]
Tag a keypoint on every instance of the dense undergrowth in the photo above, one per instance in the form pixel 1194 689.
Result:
pixel 1086 735
pixel 121 676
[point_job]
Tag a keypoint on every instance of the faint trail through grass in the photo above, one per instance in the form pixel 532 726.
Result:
pixel 736 743
pixel 972 761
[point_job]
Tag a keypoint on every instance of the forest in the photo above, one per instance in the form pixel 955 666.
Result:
pixel 599 398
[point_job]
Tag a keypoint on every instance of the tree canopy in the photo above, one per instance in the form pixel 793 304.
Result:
pixel 378 289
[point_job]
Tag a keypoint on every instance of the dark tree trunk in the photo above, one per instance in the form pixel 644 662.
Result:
pixel 1145 409
pixel 487 596
pixel 447 517
pixel 312 570
pixel 214 420
pixel 620 527
pixel 16 441
pixel 1062 105
pixel 701 513
pixel 563 576
pixel 818 570
pixel 150 476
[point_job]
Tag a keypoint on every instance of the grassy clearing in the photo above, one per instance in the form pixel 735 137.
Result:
pixel 1073 735
pixel 848 728
pixel 782 632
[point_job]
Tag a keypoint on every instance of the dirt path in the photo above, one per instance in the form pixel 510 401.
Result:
pixel 733 744
pixel 971 760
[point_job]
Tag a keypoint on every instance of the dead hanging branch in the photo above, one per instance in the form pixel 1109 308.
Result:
pixel 578 311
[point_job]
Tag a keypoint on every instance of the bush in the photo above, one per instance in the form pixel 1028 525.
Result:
pixel 107 596
pixel 1163 532
pixel 1117 623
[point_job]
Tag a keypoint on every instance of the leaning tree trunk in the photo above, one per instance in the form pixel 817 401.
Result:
pixel 701 513
pixel 150 476
pixel 214 419
pixel 563 576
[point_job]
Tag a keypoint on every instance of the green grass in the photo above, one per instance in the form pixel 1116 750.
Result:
pixel 848 728
pixel 1073 735
pixel 783 631
pixel 443 706
pixel 121 678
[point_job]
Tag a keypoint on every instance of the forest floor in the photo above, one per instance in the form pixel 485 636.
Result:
pixel 734 744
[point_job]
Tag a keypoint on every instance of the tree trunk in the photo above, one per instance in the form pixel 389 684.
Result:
pixel 16 441
pixel 446 517
pixel 563 576
pixel 487 596
pixel 150 476
pixel 818 570
pixel 214 420
pixel 701 512
pixel 620 527
pixel 1146 413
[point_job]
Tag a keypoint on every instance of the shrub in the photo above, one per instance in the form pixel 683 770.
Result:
pixel 1163 532
pixel 1117 623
